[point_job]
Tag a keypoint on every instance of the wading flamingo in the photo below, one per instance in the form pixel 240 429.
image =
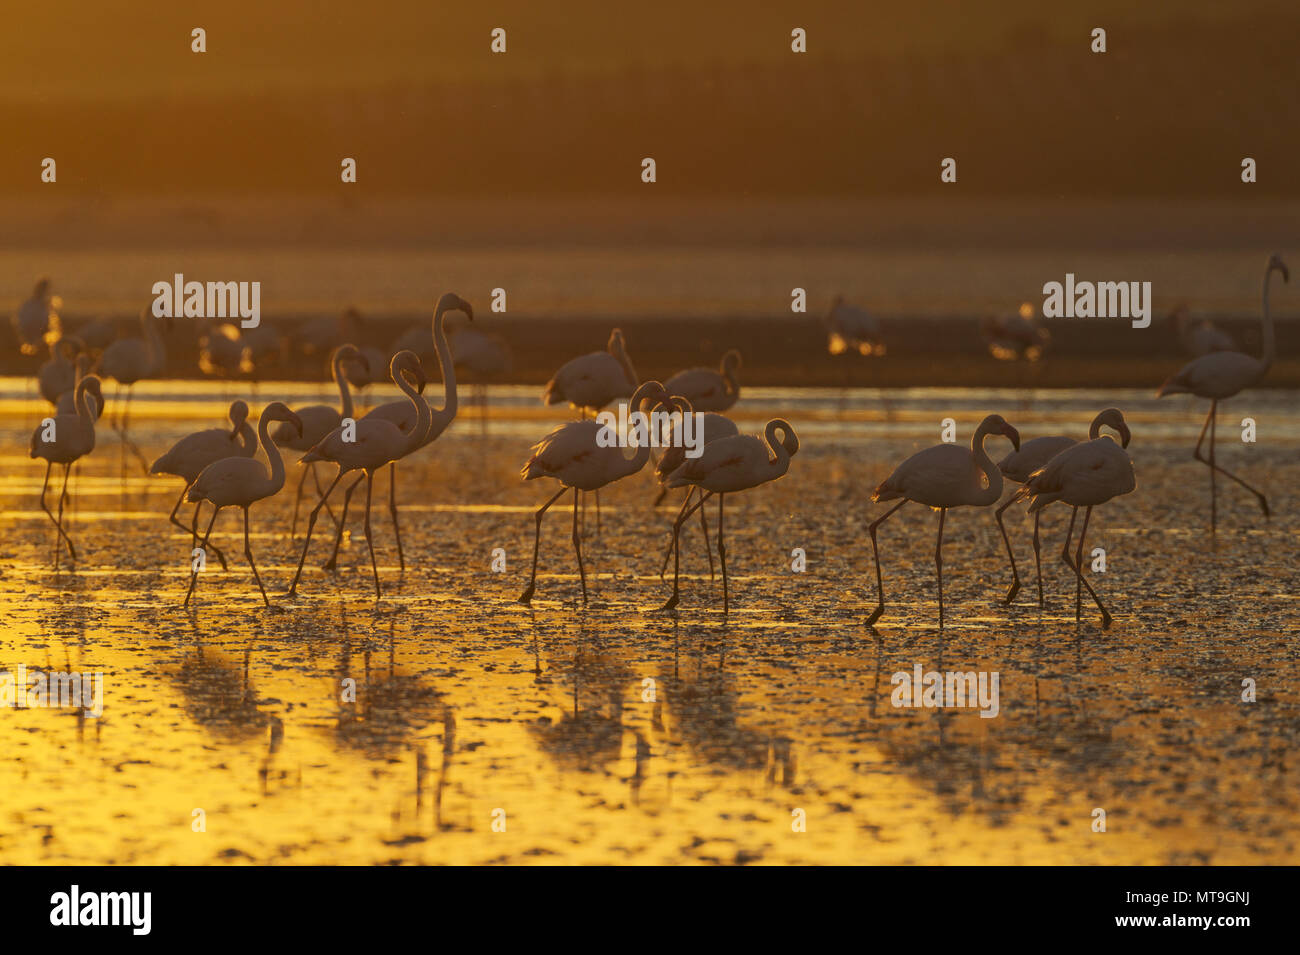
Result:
pixel 851 329
pixel 374 443
pixel 62 440
pixel 241 482
pixel 58 375
pixel 1034 454
pixel 1222 374
pixel 1200 336
pixel 1085 475
pixel 484 358
pixel 706 389
pixel 194 452
pixel 403 414
pixel 36 318
pixel 592 381
pixel 129 360
pixel 727 465
pixel 573 455
pixel 67 403
pixel 317 422
pixel 940 477
pixel 713 426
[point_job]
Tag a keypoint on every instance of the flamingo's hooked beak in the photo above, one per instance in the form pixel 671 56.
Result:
pixel 1013 434
pixel 1124 434
pixel 294 420
pixel 468 309
pixel 421 379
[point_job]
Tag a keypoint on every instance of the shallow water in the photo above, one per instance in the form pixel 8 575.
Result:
pixel 468 703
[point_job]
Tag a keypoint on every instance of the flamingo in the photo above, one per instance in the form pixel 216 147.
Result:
pixel 1221 375
pixel 241 482
pixel 317 422
pixel 1034 454
pixel 36 318
pixel 67 403
pixel 727 465
pixel 59 374
pixel 592 381
pixel 1200 336
pixel 129 360
pixel 65 439
pixel 712 427
pixel 402 414
pixel 484 357
pixel 573 454
pixel 376 442
pixel 222 353
pixel 940 477
pixel 849 328
pixel 706 389
pixel 194 452
pixel 1014 337
pixel 1084 475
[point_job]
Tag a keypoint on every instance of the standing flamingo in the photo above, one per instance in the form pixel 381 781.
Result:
pixel 317 422
pixel 36 318
pixel 940 477
pixel 712 427
pixel 194 452
pixel 241 482
pixel 1085 475
pixel 578 457
pixel 58 375
pixel 67 403
pixel 62 440
pixel 374 443
pixel 129 360
pixel 706 389
pixel 727 465
pixel 403 414
pixel 1200 336
pixel 1220 375
pixel 592 381
pixel 1028 458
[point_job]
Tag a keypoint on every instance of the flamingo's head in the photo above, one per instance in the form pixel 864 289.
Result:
pixel 92 386
pixel 279 411
pixel 407 363
pixel 238 415
pixel 1114 418
pixel 451 302
pixel 1275 262
pixel 789 440
pixel 731 361
pixel 996 424
pixel 351 353
pixel 616 344
pixel 650 391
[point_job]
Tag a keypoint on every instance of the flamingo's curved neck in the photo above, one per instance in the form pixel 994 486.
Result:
pixel 423 416
pixel 1266 324
pixel 272 453
pixel 985 464
pixel 340 379
pixel 247 439
pixel 447 367
pixel 85 416
pixel 780 459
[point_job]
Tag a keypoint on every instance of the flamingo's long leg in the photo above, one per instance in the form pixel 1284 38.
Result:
pixel 315 476
pixel 938 561
pixel 62 495
pixel 332 563
pixel 1038 564
pixel 392 510
pixel 527 595
pixel 1211 422
pixel 48 513
pixel 1015 574
pixel 875 552
pixel 135 450
pixel 597 512
pixel 1078 573
pixel 370 538
pixel 722 552
pixel 194 574
pixel 311 523
pixel 248 552
pixel 708 549
pixel 1105 614
pixel 297 498
pixel 672 538
pixel 577 541
pixel 677 547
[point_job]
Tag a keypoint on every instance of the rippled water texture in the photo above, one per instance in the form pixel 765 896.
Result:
pixel 468 703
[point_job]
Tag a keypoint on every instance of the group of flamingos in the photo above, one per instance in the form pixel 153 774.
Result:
pixel 219 466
